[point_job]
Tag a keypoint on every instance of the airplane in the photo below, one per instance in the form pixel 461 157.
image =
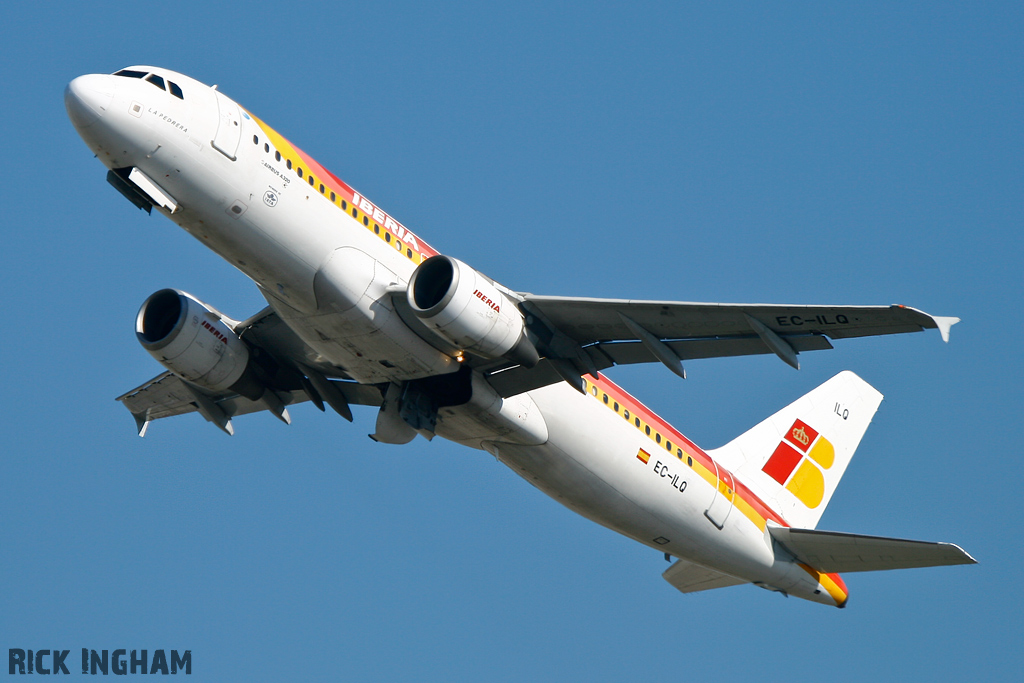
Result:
pixel 362 311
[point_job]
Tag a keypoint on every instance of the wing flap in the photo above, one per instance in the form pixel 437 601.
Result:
pixel 519 379
pixel 163 396
pixel 688 577
pixel 628 352
pixel 832 551
pixel 512 380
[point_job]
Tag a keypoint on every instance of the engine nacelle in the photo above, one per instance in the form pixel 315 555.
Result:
pixel 466 309
pixel 194 343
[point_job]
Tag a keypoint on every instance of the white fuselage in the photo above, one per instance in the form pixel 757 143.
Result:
pixel 326 272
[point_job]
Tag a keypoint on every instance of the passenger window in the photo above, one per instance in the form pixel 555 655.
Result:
pixel 157 81
pixel 637 420
pixel 255 140
pixel 333 197
pixel 266 147
pixel 625 414
pixel 321 188
pixel 657 438
pixel 128 73
pixel 175 90
pixel 277 155
pixel 647 430
pixel 289 165
pixel 408 253
pixel 299 171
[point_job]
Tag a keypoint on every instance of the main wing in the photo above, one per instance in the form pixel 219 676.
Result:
pixel 288 367
pixel 167 395
pixel 580 335
pixel 575 335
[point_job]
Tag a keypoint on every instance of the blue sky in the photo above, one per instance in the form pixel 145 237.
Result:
pixel 805 154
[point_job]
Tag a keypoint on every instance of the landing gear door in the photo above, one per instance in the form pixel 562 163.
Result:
pixel 229 127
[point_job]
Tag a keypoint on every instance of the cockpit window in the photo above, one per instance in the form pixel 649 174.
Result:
pixel 158 81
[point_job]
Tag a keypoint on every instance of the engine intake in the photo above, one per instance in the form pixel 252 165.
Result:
pixel 188 338
pixel 466 309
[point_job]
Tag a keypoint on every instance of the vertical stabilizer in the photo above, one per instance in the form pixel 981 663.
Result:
pixel 795 459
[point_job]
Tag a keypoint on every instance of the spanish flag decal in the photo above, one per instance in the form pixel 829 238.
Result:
pixel 799 461
pixel 643 456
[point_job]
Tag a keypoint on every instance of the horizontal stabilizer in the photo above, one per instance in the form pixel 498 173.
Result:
pixel 832 551
pixel 688 577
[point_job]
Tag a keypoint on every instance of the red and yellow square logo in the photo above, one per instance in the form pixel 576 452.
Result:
pixel 799 461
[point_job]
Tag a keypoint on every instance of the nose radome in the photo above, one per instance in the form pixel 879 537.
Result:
pixel 87 98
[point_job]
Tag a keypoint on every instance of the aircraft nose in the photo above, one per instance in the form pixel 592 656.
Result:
pixel 87 98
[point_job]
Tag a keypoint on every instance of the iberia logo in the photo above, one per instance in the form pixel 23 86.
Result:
pixel 799 461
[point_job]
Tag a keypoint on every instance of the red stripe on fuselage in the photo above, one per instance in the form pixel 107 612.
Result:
pixel 637 408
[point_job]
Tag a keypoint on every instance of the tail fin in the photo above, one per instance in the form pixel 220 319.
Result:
pixel 795 459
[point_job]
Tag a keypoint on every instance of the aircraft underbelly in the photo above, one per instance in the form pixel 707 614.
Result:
pixel 489 421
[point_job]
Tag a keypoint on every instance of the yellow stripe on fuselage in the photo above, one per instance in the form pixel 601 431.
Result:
pixel 343 194
pixel 637 419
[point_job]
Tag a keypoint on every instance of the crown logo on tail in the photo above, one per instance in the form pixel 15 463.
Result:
pixel 802 472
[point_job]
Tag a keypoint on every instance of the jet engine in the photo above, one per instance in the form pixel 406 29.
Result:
pixel 191 340
pixel 466 309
